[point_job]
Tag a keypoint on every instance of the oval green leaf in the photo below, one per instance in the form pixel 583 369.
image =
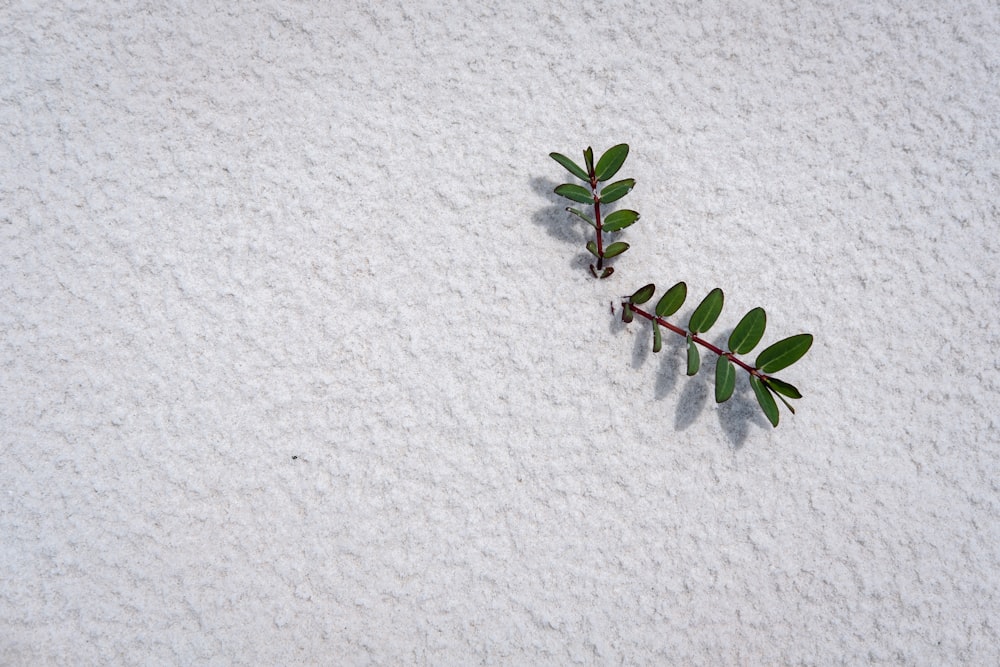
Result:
pixel 611 162
pixel 765 400
pixel 617 190
pixel 694 359
pixel 780 397
pixel 725 379
pixel 780 387
pixel 627 313
pixel 643 294
pixel 580 214
pixel 619 220
pixel 657 337
pixel 672 300
pixel 575 192
pixel 748 332
pixel 588 158
pixel 784 353
pixel 707 312
pixel 571 167
pixel 615 249
pixel 592 247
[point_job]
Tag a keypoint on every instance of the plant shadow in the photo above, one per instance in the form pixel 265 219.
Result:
pixel 736 416
pixel 561 225
pixel 739 413
pixel 554 219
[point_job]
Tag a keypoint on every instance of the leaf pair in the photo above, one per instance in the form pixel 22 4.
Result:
pixel 777 357
pixel 703 317
pixel 613 250
pixel 607 166
pixel 744 338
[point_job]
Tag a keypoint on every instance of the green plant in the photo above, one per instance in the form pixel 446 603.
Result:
pixel 744 338
pixel 607 166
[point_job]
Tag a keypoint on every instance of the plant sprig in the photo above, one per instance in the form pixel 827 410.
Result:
pixel 744 338
pixel 607 166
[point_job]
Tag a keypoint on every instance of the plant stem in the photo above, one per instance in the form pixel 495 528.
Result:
pixel 701 341
pixel 597 220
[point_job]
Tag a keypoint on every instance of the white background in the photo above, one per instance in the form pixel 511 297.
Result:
pixel 301 362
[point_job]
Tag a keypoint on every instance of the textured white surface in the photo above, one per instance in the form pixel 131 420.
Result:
pixel 236 234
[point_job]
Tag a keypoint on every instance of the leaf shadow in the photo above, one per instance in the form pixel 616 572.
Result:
pixel 670 367
pixel 559 224
pixel 739 413
pixel 553 218
pixel 642 346
pixel 691 403
pixel 736 416
pixel 564 226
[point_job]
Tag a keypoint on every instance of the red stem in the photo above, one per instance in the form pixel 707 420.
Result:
pixel 701 341
pixel 597 219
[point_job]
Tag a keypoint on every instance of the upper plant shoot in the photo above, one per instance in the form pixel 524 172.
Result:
pixel 607 166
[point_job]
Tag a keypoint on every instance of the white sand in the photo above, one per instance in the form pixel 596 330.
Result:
pixel 231 237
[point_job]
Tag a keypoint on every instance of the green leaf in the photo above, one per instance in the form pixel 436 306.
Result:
pixel 592 247
pixel 657 337
pixel 707 312
pixel 575 192
pixel 694 359
pixel 615 249
pixel 611 161
pixel 627 313
pixel 780 398
pixel 784 353
pixel 581 214
pixel 748 332
pixel 619 220
pixel 608 270
pixel 643 294
pixel 671 300
pixel 725 379
pixel 571 167
pixel 617 190
pixel 588 157
pixel 765 399
pixel 780 387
